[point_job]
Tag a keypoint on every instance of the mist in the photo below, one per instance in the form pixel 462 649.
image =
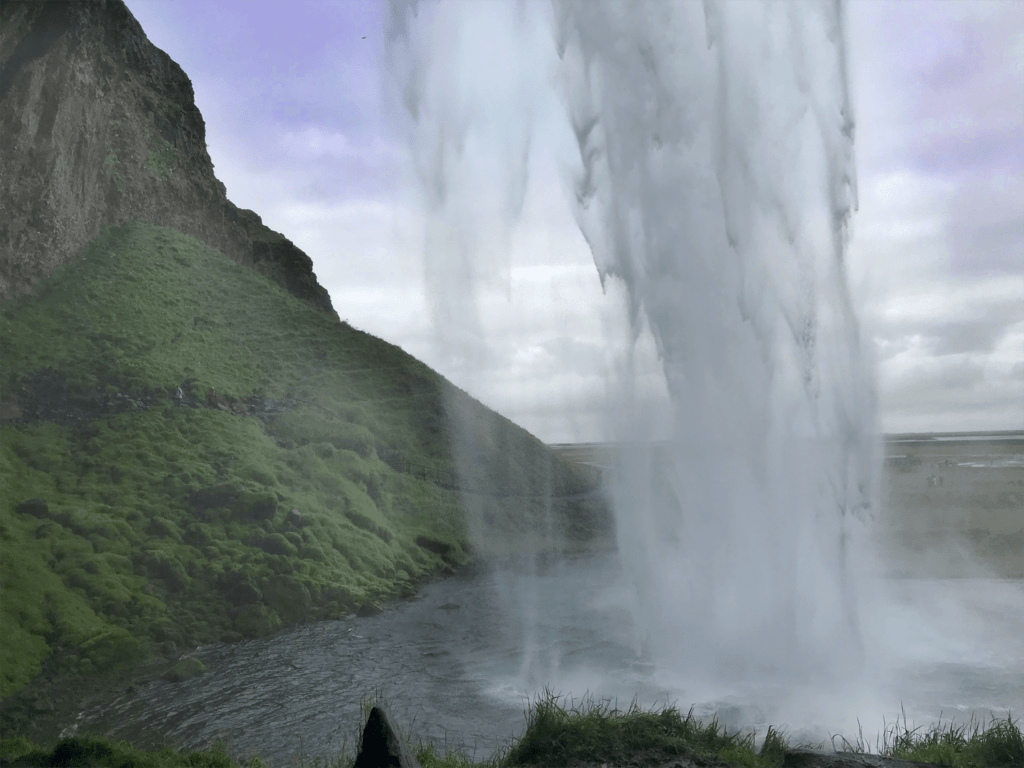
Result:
pixel 706 153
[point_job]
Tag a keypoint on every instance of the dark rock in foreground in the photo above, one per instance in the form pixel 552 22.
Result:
pixel 808 758
pixel 381 745
pixel 797 758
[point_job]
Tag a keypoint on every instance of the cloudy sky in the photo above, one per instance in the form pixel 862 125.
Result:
pixel 299 131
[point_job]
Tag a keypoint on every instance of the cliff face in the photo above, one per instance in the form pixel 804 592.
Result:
pixel 97 127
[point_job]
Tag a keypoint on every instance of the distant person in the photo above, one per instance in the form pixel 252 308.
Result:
pixel 178 397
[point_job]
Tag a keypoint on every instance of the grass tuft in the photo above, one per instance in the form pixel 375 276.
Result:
pixel 561 732
pixel 976 744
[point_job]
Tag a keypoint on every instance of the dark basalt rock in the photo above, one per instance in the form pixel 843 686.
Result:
pixel 276 544
pixel 46 395
pixel 809 758
pixel 237 590
pixel 214 496
pixel 433 545
pixel 34 507
pixel 98 127
pixel 381 745
pixel 368 609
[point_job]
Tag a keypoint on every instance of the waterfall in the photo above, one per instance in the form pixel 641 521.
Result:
pixel 711 168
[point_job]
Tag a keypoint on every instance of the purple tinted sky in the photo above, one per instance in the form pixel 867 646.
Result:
pixel 291 94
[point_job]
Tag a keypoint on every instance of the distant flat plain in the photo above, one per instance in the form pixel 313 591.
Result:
pixel 951 504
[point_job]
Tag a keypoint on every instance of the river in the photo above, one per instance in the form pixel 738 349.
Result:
pixel 459 664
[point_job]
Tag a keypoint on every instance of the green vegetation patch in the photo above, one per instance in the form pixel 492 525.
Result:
pixel 84 751
pixel 305 472
pixel 161 157
pixel 176 526
pixel 997 743
pixel 561 732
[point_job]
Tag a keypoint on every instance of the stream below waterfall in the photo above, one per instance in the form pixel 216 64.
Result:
pixel 459 664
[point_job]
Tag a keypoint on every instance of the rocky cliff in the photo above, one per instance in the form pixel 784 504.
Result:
pixel 98 127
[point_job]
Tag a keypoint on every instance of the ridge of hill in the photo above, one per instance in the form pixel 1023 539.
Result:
pixel 99 127
pixel 308 470
pixel 306 474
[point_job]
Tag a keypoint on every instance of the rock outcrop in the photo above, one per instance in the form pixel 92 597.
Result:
pixel 809 758
pixel 381 745
pixel 97 127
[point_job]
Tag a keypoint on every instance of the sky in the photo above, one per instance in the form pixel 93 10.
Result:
pixel 300 132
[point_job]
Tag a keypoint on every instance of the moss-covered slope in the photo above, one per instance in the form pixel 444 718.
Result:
pixel 306 474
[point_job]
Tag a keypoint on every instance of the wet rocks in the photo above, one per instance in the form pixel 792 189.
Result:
pixel 213 497
pixel 169 571
pixel 369 608
pixel 255 621
pixel 236 589
pixel 809 758
pixel 187 668
pixel 48 395
pixel 381 745
pixel 242 504
pixel 55 396
pixel 10 411
pixel 34 507
pixel 433 545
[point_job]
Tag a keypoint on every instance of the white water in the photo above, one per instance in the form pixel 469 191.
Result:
pixel 708 151
pixel 717 184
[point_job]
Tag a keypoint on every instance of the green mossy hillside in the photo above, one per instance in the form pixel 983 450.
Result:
pixel 306 474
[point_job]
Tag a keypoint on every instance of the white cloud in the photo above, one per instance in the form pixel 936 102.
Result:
pixel 937 259
pixel 936 262
pixel 315 142
pixel 965 391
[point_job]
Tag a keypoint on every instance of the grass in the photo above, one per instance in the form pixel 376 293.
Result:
pixel 997 743
pixel 560 732
pixel 130 527
pixel 98 752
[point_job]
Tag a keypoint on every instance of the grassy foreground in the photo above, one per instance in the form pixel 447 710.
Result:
pixel 307 473
pixel 590 733
pixel 560 733
pixel 997 743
